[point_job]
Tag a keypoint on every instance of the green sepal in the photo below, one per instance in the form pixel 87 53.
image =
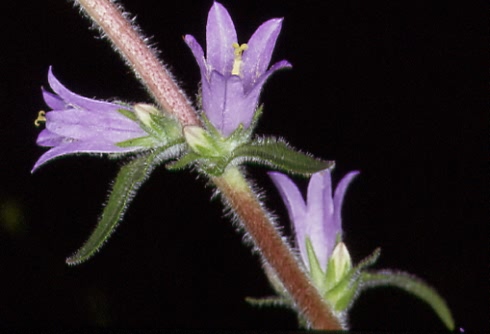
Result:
pixel 240 134
pixel 369 260
pixel 203 142
pixel 255 120
pixel 341 293
pixel 159 125
pixel 277 154
pixel 348 295
pixel 184 161
pixel 128 180
pixel 316 272
pixel 163 128
pixel 209 166
pixel 341 296
pixel 147 141
pixel 129 114
pixel 166 126
pixel 413 285
pixel 210 127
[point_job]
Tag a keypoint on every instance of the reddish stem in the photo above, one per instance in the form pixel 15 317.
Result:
pixel 240 197
pixel 141 59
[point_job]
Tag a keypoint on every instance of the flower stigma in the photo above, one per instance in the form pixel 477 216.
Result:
pixel 41 118
pixel 237 62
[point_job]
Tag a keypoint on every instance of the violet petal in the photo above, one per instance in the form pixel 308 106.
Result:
pixel 339 195
pixel 48 139
pixel 81 125
pixel 52 100
pixel 257 57
pixel 80 147
pixel 296 207
pixel 71 98
pixel 198 54
pixel 320 210
pixel 226 106
pixel 220 36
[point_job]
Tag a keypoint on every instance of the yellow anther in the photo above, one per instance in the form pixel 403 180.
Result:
pixel 237 63
pixel 41 118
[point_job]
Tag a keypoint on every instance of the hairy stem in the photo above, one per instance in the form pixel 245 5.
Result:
pixel 232 185
pixel 140 58
pixel 241 198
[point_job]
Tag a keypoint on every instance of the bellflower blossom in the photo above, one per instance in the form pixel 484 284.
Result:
pixel 233 74
pixel 319 219
pixel 77 124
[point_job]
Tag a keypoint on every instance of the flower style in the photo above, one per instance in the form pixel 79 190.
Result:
pixel 77 124
pixel 319 219
pixel 233 74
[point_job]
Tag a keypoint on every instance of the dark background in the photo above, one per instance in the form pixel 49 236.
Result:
pixel 391 88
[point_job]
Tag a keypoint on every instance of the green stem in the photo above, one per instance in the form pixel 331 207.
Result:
pixel 240 197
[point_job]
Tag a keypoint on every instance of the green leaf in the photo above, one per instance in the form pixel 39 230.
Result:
pixel 277 154
pixel 413 285
pixel 129 179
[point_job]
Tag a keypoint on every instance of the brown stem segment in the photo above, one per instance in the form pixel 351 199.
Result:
pixel 140 58
pixel 243 201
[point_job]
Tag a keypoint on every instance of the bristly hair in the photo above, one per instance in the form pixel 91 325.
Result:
pixel 184 110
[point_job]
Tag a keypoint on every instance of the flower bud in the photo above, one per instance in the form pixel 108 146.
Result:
pixel 144 111
pixel 199 140
pixel 340 289
pixel 340 263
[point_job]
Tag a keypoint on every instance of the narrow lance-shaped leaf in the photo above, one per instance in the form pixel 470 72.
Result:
pixel 129 179
pixel 411 285
pixel 278 154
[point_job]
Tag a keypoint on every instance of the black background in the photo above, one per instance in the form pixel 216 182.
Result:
pixel 391 88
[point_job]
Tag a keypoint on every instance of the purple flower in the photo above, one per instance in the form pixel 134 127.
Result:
pixel 77 124
pixel 233 75
pixel 319 218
